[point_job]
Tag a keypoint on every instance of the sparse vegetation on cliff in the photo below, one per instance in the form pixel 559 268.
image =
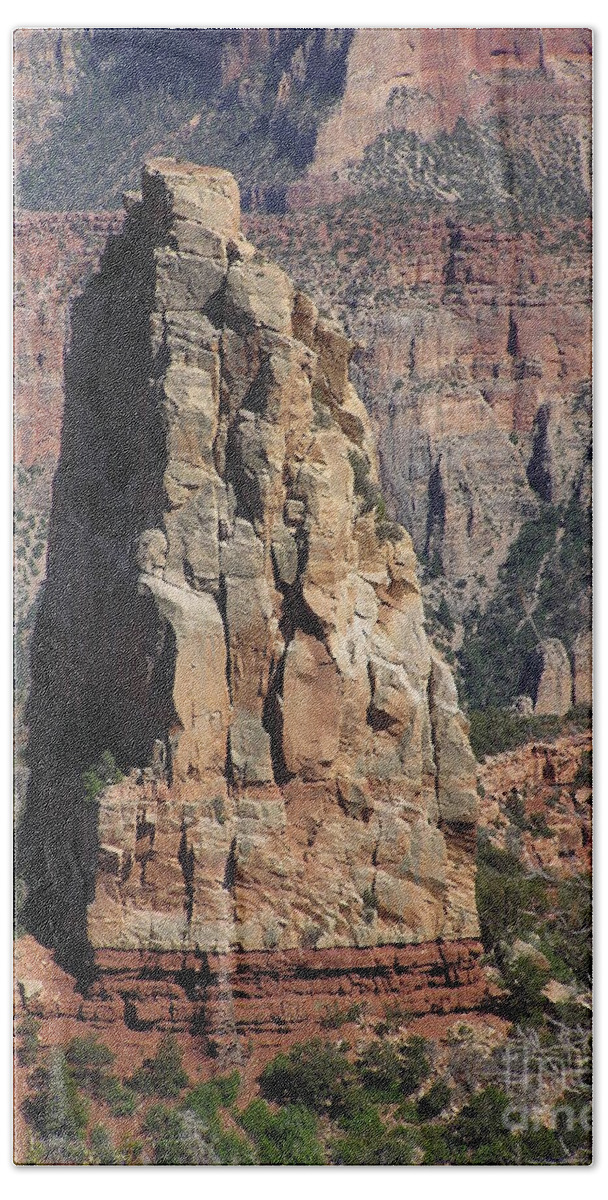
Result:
pixel 482 173
pixel 136 91
pixel 543 591
pixel 100 776
pixel 494 730
pixel 162 1075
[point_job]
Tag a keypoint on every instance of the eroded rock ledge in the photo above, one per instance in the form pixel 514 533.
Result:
pixel 227 1003
pixel 230 615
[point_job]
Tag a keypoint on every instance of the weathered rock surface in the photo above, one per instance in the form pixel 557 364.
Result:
pixel 551 679
pixel 223 615
pixel 548 786
pixel 582 669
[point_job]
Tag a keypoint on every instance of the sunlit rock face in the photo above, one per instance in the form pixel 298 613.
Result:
pixel 229 612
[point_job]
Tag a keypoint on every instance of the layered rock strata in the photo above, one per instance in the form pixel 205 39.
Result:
pixel 277 997
pixel 241 1009
pixel 226 613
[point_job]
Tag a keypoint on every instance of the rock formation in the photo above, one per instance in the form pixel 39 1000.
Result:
pixel 229 614
pixel 582 669
pixel 551 678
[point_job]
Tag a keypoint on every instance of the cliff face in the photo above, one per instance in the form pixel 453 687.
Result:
pixel 476 372
pixel 228 611
pixel 424 80
pixel 252 99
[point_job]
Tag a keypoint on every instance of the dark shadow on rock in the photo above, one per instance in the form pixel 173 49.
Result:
pixel 102 660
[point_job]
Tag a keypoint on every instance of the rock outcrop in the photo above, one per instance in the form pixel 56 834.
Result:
pixel 551 678
pixel 537 802
pixel 582 669
pixel 229 615
pixel 458 250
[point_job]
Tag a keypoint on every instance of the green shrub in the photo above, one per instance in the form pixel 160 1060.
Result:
pixel 395 1150
pixel 322 415
pixel 541 1146
pixel 444 615
pixel 120 1099
pixel 584 774
pixel 101 775
pixel 57 1113
pixel 391 1071
pixel 312 1073
pixel 367 1141
pixel 368 491
pixel 537 824
pixel 335 1017
pixel 572 1115
pixel 130 1151
pixel 206 1098
pixel 438 1149
pixel 102 1147
pixel 381 511
pixel 87 1058
pixel 379 1069
pixel 505 896
pixel 494 730
pixel 525 981
pixel 388 531
pixel 435 566
pixel 286 1138
pixel 433 1102
pixel 365 1133
pixel 162 1075
pixel 29 1042
pixel 179 1138
pixel 233 1150
pixel 481 1121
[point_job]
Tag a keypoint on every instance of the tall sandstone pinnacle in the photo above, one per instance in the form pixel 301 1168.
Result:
pixel 229 615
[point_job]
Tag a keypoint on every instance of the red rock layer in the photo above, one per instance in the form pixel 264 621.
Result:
pixel 280 997
pixel 274 997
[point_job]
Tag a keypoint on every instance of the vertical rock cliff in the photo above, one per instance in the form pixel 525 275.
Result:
pixel 229 614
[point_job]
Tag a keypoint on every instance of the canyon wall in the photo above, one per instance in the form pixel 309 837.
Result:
pixel 229 614
pixel 424 80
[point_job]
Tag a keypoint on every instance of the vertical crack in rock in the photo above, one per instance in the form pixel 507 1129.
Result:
pixel 185 858
pixel 436 510
pixel 226 613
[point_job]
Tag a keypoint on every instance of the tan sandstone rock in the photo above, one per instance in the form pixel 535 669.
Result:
pixel 297 772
